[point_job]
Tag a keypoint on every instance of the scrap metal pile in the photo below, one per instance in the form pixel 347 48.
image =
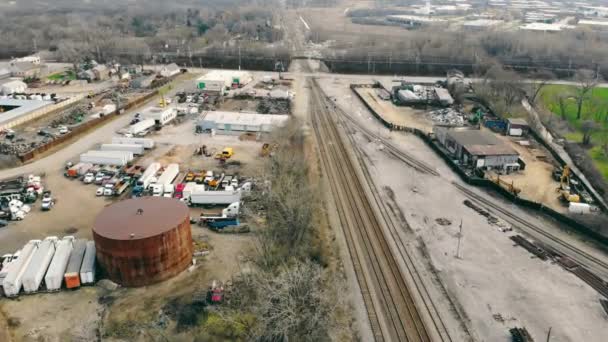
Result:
pixel 448 116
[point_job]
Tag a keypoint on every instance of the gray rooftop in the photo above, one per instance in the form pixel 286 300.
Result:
pixel 24 107
pixel 473 137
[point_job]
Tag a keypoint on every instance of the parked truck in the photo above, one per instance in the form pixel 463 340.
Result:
pixel 14 279
pixel 54 275
pixel 72 272
pixel 196 194
pixel 78 170
pixel 87 270
pixel 164 183
pixel 145 142
pixel 147 178
pixel 32 278
pixel 136 149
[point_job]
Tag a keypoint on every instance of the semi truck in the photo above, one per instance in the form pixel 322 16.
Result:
pixel 136 149
pixel 145 142
pixel 32 278
pixel 147 178
pixel 54 275
pixel 78 170
pixel 14 279
pixel 164 183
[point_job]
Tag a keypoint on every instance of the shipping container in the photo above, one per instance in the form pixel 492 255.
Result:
pixel 32 278
pixel 87 270
pixel 54 275
pixel 145 142
pixel 72 272
pixel 114 158
pixel 133 148
pixel 13 281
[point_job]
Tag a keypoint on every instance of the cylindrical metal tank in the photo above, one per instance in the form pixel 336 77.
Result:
pixel 142 241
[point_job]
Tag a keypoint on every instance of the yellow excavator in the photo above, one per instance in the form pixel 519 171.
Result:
pixel 564 187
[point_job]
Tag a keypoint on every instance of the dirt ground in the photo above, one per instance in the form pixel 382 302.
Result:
pixel 399 115
pixel 536 181
pixel 493 285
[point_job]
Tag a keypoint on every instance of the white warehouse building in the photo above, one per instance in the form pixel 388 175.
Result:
pixel 161 116
pixel 217 81
pixel 228 122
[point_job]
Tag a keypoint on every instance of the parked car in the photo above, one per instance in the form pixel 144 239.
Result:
pixel 89 178
pixel 63 130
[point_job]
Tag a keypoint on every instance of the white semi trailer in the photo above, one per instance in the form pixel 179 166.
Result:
pixel 145 142
pixel 133 148
pixel 87 270
pixel 149 175
pixel 32 278
pixel 54 275
pixel 14 279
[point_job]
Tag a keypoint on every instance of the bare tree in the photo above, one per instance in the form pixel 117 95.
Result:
pixel 587 80
pixel 561 99
pixel 588 127
pixel 538 82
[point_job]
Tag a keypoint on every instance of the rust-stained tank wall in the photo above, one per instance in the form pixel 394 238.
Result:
pixel 150 254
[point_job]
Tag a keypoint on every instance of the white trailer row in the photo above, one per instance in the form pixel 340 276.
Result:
pixel 145 142
pixel 137 150
pixel 53 261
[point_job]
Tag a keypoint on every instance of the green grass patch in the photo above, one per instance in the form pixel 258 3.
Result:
pixel 600 160
pixel 62 76
pixel 591 106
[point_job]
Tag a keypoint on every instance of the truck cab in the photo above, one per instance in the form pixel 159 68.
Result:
pixel 108 189
pixel 157 190
pixel 168 190
pixel 179 190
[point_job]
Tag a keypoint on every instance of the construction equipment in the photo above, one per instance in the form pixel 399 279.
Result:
pixel 564 188
pixel 225 154
pixel 267 149
pixel 163 102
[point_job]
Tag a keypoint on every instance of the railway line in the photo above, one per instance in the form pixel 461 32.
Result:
pixel 391 306
pixel 571 251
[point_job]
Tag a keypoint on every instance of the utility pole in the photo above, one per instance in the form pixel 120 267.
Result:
pixel 239 57
pixel 459 238
pixel 549 334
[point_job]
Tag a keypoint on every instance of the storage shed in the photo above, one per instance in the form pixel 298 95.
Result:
pixel 228 122
pixel 517 127
pixel 478 149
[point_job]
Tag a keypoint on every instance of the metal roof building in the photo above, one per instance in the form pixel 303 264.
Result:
pixel 144 240
pixel 227 122
pixel 14 109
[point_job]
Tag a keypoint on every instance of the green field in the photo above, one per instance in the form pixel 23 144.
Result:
pixel 594 108
pixel 62 76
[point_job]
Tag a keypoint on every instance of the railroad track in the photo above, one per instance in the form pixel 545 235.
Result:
pixel 392 149
pixel 571 251
pixel 390 305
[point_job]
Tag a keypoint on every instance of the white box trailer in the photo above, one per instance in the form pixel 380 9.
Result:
pixel 145 142
pixel 140 127
pixel 166 179
pixel 149 175
pixel 87 270
pixel 4 273
pixel 14 279
pixel 116 158
pixel 32 278
pixel 54 275
pixel 133 148
pixel 197 195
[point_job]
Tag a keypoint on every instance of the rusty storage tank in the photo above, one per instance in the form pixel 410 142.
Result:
pixel 144 240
